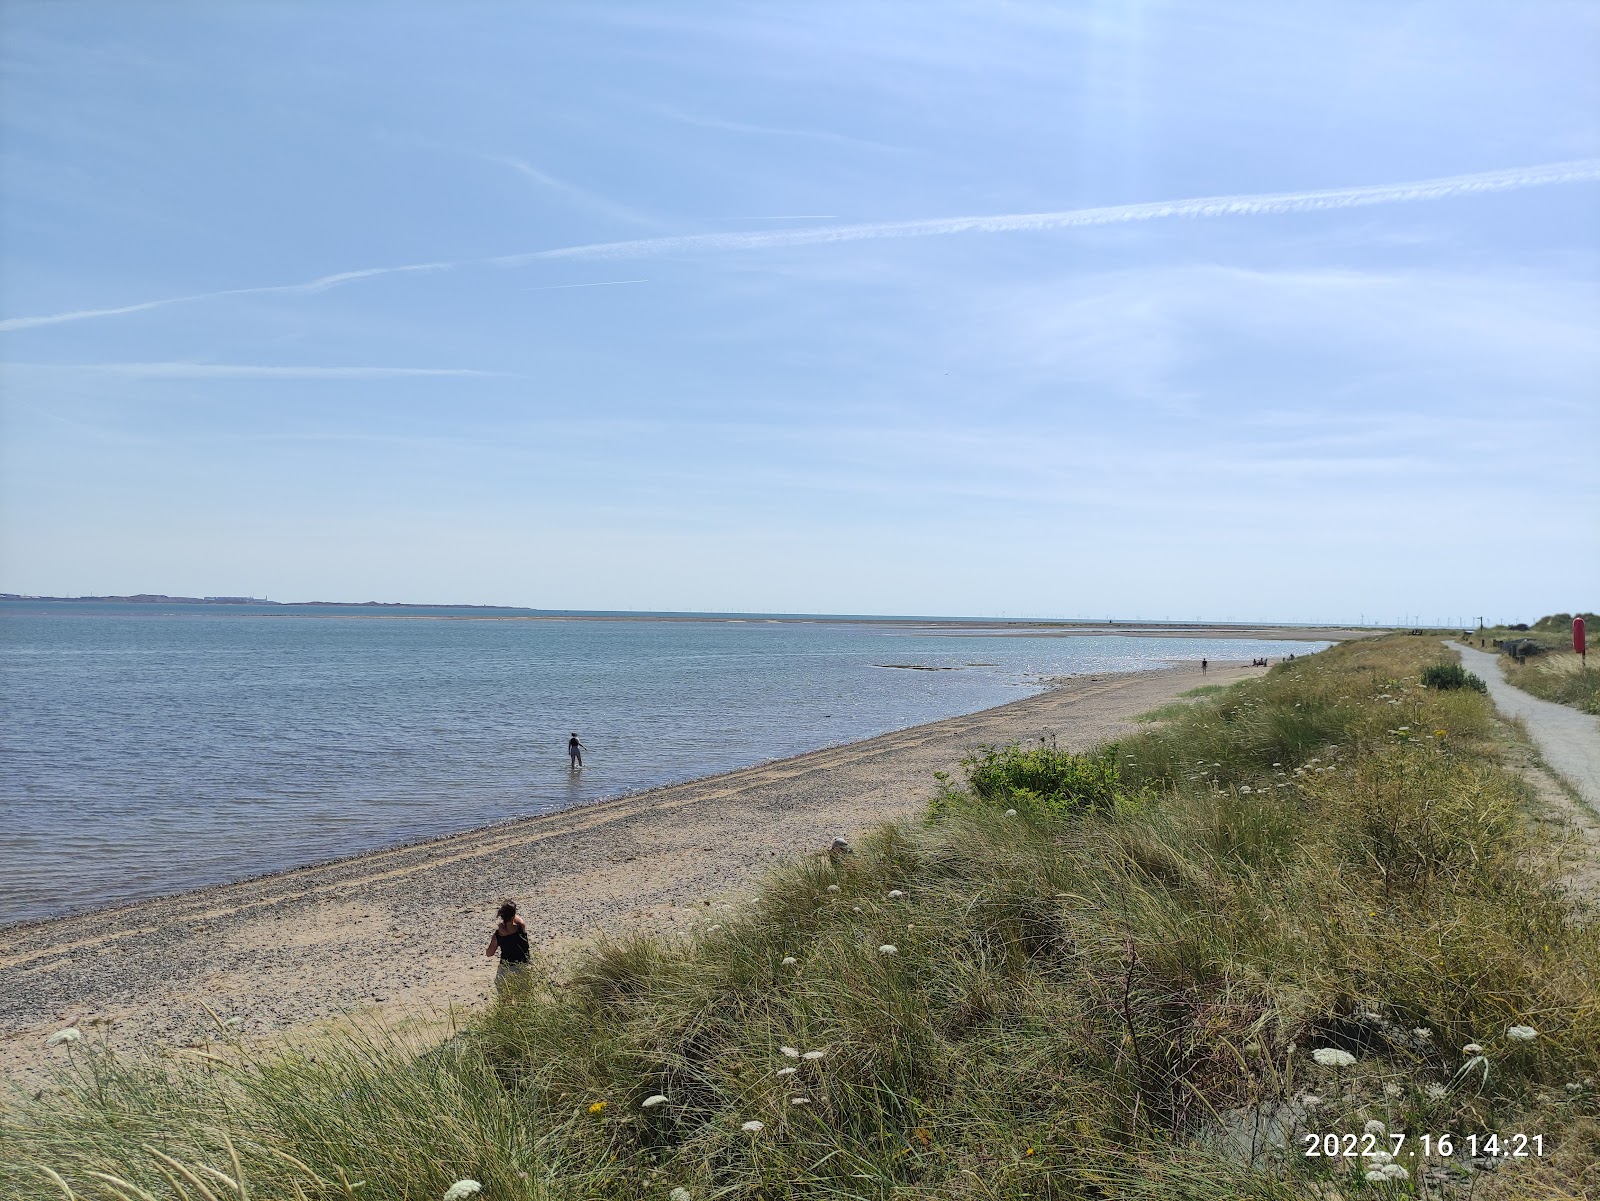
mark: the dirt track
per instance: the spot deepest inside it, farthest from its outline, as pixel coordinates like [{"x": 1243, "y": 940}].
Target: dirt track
[
  {"x": 404, "y": 929},
  {"x": 1568, "y": 738}
]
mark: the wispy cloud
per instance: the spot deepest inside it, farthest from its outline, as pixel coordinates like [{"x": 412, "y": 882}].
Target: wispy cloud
[
  {"x": 603, "y": 283},
  {"x": 582, "y": 196},
  {"x": 181, "y": 370},
  {"x": 776, "y": 131},
  {"x": 1251, "y": 205}
]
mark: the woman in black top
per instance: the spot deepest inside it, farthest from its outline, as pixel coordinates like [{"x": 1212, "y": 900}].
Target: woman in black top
[{"x": 510, "y": 938}]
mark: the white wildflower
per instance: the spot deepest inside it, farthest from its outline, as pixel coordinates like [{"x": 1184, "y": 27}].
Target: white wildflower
[
  {"x": 895, "y": 894},
  {"x": 1011, "y": 812},
  {"x": 813, "y": 1055},
  {"x": 789, "y": 961},
  {"x": 1375, "y": 1176},
  {"x": 680, "y": 1194},
  {"x": 1422, "y": 1032},
  {"x": 1244, "y": 788},
  {"x": 1332, "y": 1057},
  {"x": 1378, "y": 1158},
  {"x": 1522, "y": 1034},
  {"x": 855, "y": 908},
  {"x": 753, "y": 1127},
  {"x": 787, "y": 1071},
  {"x": 652, "y": 1102},
  {"x": 1395, "y": 1172},
  {"x": 1310, "y": 1100},
  {"x": 1436, "y": 1091},
  {"x": 791, "y": 1052},
  {"x": 1472, "y": 1049},
  {"x": 70, "y": 1035},
  {"x": 888, "y": 948},
  {"x": 1376, "y": 1128},
  {"x": 462, "y": 1188},
  {"x": 799, "y": 1100},
  {"x": 1392, "y": 1090}
]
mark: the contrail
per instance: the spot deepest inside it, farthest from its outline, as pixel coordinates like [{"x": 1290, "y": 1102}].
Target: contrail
[
  {"x": 1260, "y": 204},
  {"x": 321, "y": 283},
  {"x": 1574, "y": 171}
]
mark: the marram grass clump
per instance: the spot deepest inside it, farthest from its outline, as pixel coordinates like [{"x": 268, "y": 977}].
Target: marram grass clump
[{"x": 1309, "y": 905}]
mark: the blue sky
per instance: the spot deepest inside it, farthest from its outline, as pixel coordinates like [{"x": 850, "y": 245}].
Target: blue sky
[{"x": 1378, "y": 403}]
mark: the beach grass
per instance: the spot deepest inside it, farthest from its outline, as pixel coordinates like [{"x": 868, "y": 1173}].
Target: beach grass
[
  {"x": 1557, "y": 672},
  {"x": 1152, "y": 971},
  {"x": 1561, "y": 676}
]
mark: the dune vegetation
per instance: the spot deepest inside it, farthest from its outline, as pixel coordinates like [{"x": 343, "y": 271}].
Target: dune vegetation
[
  {"x": 1554, "y": 671},
  {"x": 1310, "y": 905}
]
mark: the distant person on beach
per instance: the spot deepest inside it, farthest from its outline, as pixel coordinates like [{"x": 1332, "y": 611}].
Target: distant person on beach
[
  {"x": 575, "y": 751},
  {"x": 510, "y": 938},
  {"x": 1203, "y": 667}
]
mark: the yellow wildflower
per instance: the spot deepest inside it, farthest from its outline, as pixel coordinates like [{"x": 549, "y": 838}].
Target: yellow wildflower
[{"x": 598, "y": 1107}]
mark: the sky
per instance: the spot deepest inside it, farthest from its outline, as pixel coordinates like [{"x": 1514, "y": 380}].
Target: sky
[{"x": 1248, "y": 311}]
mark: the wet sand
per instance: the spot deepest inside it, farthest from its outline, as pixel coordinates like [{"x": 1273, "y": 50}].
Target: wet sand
[{"x": 403, "y": 930}]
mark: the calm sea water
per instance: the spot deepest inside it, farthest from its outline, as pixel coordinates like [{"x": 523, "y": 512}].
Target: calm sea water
[{"x": 150, "y": 749}]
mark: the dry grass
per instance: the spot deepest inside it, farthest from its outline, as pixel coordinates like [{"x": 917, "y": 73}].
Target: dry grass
[{"x": 1118, "y": 999}]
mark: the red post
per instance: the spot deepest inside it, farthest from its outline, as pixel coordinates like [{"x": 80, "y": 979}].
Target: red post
[{"x": 1577, "y": 640}]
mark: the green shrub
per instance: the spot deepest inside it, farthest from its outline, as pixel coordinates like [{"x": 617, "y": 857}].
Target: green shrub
[
  {"x": 1043, "y": 780},
  {"x": 1451, "y": 675}
]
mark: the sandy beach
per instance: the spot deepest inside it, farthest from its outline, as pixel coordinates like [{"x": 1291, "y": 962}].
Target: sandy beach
[{"x": 402, "y": 931}]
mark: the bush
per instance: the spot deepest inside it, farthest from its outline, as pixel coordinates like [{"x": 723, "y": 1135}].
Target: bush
[
  {"x": 1451, "y": 675},
  {"x": 1556, "y": 623},
  {"x": 1042, "y": 780}
]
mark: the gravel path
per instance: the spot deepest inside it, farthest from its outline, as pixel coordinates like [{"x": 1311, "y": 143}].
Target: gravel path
[
  {"x": 403, "y": 930},
  {"x": 1568, "y": 739}
]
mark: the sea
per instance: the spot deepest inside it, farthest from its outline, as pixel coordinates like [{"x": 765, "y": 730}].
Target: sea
[{"x": 149, "y": 749}]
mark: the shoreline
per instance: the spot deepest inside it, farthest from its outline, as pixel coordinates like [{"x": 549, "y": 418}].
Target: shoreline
[
  {"x": 10, "y": 930},
  {"x": 401, "y": 928}
]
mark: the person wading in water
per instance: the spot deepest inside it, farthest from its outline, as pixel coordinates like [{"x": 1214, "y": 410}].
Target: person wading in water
[
  {"x": 510, "y": 938},
  {"x": 575, "y": 750}
]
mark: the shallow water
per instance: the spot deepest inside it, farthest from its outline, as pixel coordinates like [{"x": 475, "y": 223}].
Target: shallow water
[{"x": 150, "y": 749}]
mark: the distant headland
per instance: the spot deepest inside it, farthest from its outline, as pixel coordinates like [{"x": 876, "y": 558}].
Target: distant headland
[{"x": 160, "y": 598}]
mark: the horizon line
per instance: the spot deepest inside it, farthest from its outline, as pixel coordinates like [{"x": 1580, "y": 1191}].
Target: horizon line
[{"x": 725, "y": 613}]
